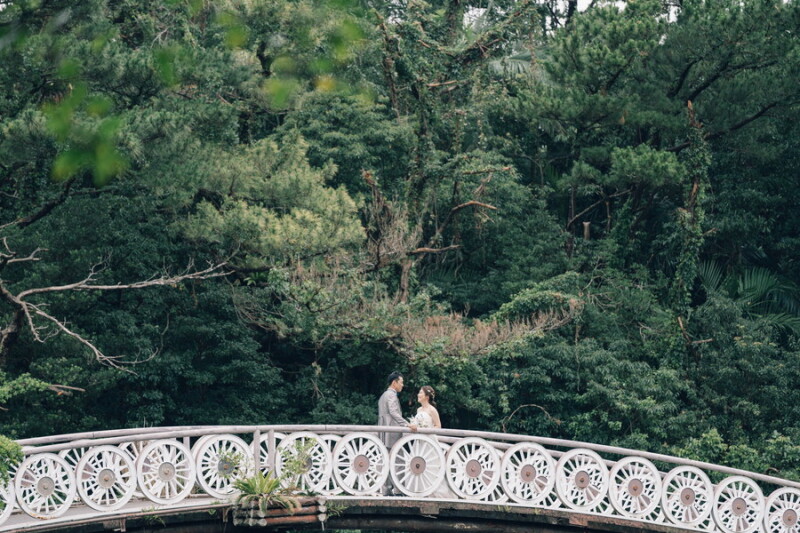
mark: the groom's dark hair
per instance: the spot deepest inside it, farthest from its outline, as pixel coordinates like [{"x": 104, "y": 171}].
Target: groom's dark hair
[{"x": 393, "y": 376}]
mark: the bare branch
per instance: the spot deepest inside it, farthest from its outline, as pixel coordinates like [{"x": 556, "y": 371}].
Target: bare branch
[
  {"x": 33, "y": 314},
  {"x": 472, "y": 203},
  {"x": 115, "y": 361},
  {"x": 30, "y": 257},
  {"x": 600, "y": 201},
  {"x": 11, "y": 257},
  {"x": 99, "y": 356},
  {"x": 426, "y": 250},
  {"x": 456, "y": 209},
  {"x": 549, "y": 417},
  {"x": 63, "y": 389},
  {"x": 212, "y": 271},
  {"x": 442, "y": 84}
]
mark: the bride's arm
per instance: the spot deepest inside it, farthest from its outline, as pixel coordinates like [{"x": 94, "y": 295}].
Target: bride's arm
[{"x": 435, "y": 416}]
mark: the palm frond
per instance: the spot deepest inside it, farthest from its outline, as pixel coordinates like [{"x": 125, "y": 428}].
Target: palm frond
[
  {"x": 511, "y": 66},
  {"x": 756, "y": 285},
  {"x": 788, "y": 301},
  {"x": 784, "y": 321},
  {"x": 711, "y": 275}
]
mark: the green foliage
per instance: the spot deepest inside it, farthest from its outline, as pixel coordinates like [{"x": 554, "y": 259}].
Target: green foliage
[
  {"x": 778, "y": 456},
  {"x": 18, "y": 386},
  {"x": 558, "y": 294},
  {"x": 355, "y": 134},
  {"x": 269, "y": 205},
  {"x": 10, "y": 456}
]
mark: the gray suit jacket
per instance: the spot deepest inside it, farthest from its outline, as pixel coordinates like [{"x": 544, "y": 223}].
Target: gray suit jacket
[{"x": 389, "y": 414}]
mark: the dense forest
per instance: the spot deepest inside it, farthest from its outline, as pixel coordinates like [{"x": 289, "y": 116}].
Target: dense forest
[{"x": 574, "y": 221}]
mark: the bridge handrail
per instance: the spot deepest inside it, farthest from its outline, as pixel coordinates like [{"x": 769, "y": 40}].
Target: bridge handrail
[
  {"x": 96, "y": 438},
  {"x": 171, "y": 466},
  {"x": 68, "y": 437}
]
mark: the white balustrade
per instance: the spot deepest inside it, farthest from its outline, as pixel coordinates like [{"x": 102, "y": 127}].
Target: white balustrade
[{"x": 108, "y": 471}]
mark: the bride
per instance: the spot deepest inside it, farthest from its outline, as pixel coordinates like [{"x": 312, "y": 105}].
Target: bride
[{"x": 428, "y": 417}]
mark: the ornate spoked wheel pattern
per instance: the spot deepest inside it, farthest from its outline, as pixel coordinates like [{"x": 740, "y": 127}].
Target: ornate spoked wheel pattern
[
  {"x": 527, "y": 473},
  {"x": 417, "y": 465},
  {"x": 307, "y": 453},
  {"x": 687, "y": 496},
  {"x": 133, "y": 448},
  {"x": 473, "y": 468},
  {"x": 73, "y": 455},
  {"x": 782, "y": 512},
  {"x": 360, "y": 464},
  {"x": 333, "y": 486},
  {"x": 7, "y": 500},
  {"x": 498, "y": 495},
  {"x": 165, "y": 471},
  {"x": 221, "y": 460},
  {"x": 195, "y": 448},
  {"x": 106, "y": 478},
  {"x": 635, "y": 487},
  {"x": 738, "y": 505},
  {"x": 263, "y": 456},
  {"x": 45, "y": 485},
  {"x": 581, "y": 479}
]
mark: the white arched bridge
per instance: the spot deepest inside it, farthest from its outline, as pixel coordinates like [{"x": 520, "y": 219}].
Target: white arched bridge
[{"x": 112, "y": 478}]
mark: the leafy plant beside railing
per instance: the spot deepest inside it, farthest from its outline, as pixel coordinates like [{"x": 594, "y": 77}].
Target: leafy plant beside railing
[
  {"x": 268, "y": 490},
  {"x": 265, "y": 491}
]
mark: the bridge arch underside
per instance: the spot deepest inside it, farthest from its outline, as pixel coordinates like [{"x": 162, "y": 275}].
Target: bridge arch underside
[
  {"x": 391, "y": 514},
  {"x": 434, "y": 517}
]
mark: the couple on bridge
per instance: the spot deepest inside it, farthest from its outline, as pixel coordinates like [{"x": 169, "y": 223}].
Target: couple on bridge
[{"x": 390, "y": 414}]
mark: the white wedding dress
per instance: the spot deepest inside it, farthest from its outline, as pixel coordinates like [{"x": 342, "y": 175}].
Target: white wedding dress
[{"x": 423, "y": 420}]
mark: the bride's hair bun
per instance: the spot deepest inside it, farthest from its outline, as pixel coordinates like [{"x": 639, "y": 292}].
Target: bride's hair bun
[{"x": 430, "y": 393}]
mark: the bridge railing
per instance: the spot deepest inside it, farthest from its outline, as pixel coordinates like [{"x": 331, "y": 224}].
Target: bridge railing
[{"x": 107, "y": 470}]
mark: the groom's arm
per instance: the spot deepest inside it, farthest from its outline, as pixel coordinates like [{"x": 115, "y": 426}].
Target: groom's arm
[
  {"x": 397, "y": 414},
  {"x": 394, "y": 410}
]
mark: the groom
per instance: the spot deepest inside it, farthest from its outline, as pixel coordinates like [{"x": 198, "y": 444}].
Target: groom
[{"x": 389, "y": 414}]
